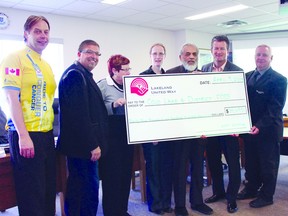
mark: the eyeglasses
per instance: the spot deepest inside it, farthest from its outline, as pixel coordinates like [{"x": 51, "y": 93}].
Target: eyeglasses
[
  {"x": 91, "y": 52},
  {"x": 158, "y": 54},
  {"x": 126, "y": 69}
]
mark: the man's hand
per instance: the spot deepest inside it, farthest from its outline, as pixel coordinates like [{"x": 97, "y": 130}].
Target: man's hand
[
  {"x": 155, "y": 142},
  {"x": 254, "y": 130},
  {"x": 235, "y": 135},
  {"x": 203, "y": 137},
  {"x": 26, "y": 146},
  {"x": 96, "y": 154}
]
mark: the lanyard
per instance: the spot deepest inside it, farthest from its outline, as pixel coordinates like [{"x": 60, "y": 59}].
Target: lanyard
[
  {"x": 39, "y": 104},
  {"x": 36, "y": 67}
]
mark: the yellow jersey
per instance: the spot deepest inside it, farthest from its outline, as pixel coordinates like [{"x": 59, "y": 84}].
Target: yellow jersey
[{"x": 32, "y": 76}]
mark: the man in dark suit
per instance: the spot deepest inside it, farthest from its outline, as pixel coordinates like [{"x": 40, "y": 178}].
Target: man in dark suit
[
  {"x": 267, "y": 95},
  {"x": 83, "y": 126},
  {"x": 188, "y": 149},
  {"x": 223, "y": 144}
]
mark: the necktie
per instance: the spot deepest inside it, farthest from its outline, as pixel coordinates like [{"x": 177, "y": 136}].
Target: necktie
[{"x": 254, "y": 78}]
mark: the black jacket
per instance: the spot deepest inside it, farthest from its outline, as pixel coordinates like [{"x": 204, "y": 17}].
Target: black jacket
[
  {"x": 228, "y": 67},
  {"x": 179, "y": 69},
  {"x": 266, "y": 99},
  {"x": 83, "y": 115}
]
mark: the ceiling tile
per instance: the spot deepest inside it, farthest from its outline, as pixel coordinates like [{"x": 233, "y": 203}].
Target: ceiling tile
[
  {"x": 171, "y": 9},
  {"x": 142, "y": 18},
  {"x": 163, "y": 14},
  {"x": 33, "y": 8},
  {"x": 118, "y": 12},
  {"x": 142, "y": 5},
  {"x": 85, "y": 7},
  {"x": 47, "y": 4}
]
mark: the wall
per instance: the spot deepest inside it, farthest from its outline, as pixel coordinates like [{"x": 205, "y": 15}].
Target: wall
[
  {"x": 244, "y": 52},
  {"x": 132, "y": 41},
  {"x": 202, "y": 40}
]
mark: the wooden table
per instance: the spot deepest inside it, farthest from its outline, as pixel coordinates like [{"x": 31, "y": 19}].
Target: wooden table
[
  {"x": 285, "y": 133},
  {"x": 284, "y": 143},
  {"x": 7, "y": 190}
]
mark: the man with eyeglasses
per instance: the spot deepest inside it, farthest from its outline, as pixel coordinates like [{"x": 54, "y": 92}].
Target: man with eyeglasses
[
  {"x": 83, "y": 126},
  {"x": 192, "y": 150}
]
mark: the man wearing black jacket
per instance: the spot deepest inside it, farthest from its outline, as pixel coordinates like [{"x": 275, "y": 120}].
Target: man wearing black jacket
[
  {"x": 83, "y": 126},
  {"x": 267, "y": 96}
]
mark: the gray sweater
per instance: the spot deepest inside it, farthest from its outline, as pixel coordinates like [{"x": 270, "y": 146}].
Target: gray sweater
[{"x": 110, "y": 93}]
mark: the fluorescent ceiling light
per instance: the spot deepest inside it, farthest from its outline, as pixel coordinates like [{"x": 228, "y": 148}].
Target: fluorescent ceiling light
[
  {"x": 218, "y": 12},
  {"x": 112, "y": 2}
]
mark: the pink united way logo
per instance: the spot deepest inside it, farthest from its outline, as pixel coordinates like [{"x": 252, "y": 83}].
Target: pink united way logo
[{"x": 139, "y": 86}]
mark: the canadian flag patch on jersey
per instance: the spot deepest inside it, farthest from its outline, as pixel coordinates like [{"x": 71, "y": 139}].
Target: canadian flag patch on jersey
[{"x": 12, "y": 71}]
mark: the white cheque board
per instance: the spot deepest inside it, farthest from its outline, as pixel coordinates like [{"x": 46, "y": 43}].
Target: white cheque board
[{"x": 184, "y": 106}]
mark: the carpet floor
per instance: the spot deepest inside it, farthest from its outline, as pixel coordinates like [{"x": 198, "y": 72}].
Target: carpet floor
[{"x": 138, "y": 208}]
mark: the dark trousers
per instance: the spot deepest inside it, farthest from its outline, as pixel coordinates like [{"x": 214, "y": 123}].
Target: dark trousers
[
  {"x": 188, "y": 151},
  {"x": 35, "y": 178},
  {"x": 262, "y": 158},
  {"x": 82, "y": 187},
  {"x": 115, "y": 173},
  {"x": 229, "y": 145},
  {"x": 159, "y": 169}
]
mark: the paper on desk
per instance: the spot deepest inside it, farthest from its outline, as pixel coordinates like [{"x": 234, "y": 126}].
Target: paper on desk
[{"x": 2, "y": 153}]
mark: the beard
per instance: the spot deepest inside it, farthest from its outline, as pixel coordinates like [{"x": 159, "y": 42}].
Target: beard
[{"x": 189, "y": 67}]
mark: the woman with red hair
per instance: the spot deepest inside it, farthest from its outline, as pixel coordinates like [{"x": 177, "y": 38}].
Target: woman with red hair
[{"x": 116, "y": 165}]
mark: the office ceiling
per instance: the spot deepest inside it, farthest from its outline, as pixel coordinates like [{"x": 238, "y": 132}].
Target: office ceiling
[{"x": 261, "y": 16}]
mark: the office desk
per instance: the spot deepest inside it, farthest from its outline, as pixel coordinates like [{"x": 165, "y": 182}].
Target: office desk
[
  {"x": 285, "y": 133},
  {"x": 284, "y": 143},
  {"x": 7, "y": 190}
]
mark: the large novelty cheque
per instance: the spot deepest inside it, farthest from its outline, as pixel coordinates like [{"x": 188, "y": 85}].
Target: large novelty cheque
[{"x": 184, "y": 106}]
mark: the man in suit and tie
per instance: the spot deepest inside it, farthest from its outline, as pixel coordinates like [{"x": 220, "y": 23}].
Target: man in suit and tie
[
  {"x": 267, "y": 95},
  {"x": 228, "y": 145},
  {"x": 185, "y": 150}
]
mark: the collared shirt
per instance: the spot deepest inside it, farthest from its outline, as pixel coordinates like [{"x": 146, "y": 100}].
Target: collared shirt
[
  {"x": 261, "y": 72},
  {"x": 218, "y": 69}
]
